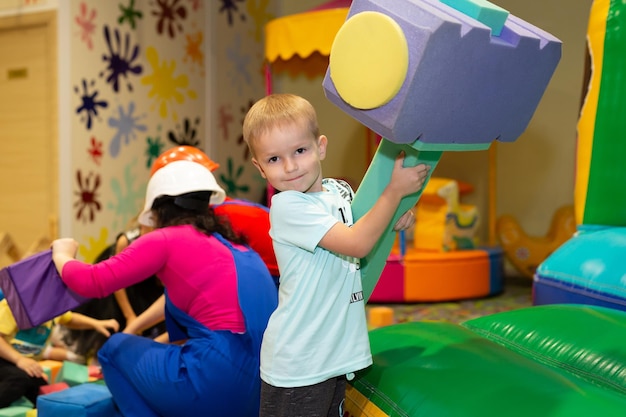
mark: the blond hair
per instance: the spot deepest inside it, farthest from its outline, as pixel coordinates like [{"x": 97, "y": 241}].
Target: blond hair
[{"x": 276, "y": 110}]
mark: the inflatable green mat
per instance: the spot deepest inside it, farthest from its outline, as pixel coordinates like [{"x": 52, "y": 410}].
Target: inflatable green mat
[{"x": 556, "y": 360}]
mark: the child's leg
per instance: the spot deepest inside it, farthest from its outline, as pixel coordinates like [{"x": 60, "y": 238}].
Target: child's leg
[
  {"x": 15, "y": 383},
  {"x": 323, "y": 399}
]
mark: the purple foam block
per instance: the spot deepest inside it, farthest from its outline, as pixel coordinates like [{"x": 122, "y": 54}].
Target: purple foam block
[
  {"x": 464, "y": 88},
  {"x": 35, "y": 292}
]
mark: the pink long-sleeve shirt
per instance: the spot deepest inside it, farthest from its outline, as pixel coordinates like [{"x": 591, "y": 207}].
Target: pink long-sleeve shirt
[{"x": 198, "y": 272}]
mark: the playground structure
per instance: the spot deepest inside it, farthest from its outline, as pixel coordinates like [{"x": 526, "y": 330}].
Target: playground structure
[
  {"x": 443, "y": 261},
  {"x": 589, "y": 267},
  {"x": 526, "y": 252}
]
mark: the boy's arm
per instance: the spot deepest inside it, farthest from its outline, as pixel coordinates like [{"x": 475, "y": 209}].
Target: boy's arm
[
  {"x": 358, "y": 240},
  {"x": 81, "y": 322},
  {"x": 28, "y": 365}
]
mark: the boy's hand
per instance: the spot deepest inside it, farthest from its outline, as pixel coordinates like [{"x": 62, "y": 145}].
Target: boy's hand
[
  {"x": 407, "y": 180},
  {"x": 103, "y": 326},
  {"x": 30, "y": 366},
  {"x": 406, "y": 221}
]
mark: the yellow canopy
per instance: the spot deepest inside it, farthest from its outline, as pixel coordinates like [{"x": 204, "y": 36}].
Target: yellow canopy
[{"x": 304, "y": 39}]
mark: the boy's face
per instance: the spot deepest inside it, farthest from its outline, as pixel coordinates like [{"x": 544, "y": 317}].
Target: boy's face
[{"x": 289, "y": 158}]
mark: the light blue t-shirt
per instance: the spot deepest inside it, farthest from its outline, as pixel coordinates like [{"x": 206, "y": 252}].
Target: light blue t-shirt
[{"x": 319, "y": 330}]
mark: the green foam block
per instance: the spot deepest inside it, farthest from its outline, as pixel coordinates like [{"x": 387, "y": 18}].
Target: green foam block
[
  {"x": 14, "y": 411},
  {"x": 73, "y": 374}
]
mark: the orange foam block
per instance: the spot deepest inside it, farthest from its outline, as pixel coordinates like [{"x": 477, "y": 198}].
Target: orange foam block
[
  {"x": 380, "y": 316},
  {"x": 51, "y": 368}
]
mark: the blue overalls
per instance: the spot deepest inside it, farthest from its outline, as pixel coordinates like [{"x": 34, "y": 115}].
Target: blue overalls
[{"x": 214, "y": 373}]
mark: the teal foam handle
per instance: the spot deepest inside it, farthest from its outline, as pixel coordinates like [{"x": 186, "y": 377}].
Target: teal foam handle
[
  {"x": 374, "y": 182},
  {"x": 484, "y": 11}
]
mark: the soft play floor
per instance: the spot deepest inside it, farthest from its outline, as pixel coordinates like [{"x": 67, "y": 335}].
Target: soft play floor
[{"x": 517, "y": 294}]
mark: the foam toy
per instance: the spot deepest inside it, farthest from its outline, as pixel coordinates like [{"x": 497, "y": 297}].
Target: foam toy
[
  {"x": 73, "y": 373},
  {"x": 431, "y": 76},
  {"x": 23, "y": 402},
  {"x": 51, "y": 369},
  {"x": 425, "y": 70},
  {"x": 85, "y": 400},
  {"x": 50, "y": 388},
  {"x": 526, "y": 252},
  {"x": 95, "y": 373},
  {"x": 588, "y": 268},
  {"x": 379, "y": 316},
  {"x": 14, "y": 411},
  {"x": 558, "y": 361},
  {"x": 29, "y": 287}
]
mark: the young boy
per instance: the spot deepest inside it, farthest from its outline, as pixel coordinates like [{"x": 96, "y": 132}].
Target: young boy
[
  {"x": 318, "y": 334},
  {"x": 20, "y": 372}
]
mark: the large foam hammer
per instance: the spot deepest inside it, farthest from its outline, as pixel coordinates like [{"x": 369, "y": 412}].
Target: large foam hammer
[{"x": 432, "y": 76}]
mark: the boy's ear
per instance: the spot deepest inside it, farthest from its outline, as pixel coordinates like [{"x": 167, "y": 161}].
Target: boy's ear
[
  {"x": 258, "y": 166},
  {"x": 322, "y": 141}
]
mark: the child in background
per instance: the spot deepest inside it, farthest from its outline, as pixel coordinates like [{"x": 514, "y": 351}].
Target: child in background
[
  {"x": 20, "y": 350},
  {"x": 318, "y": 334}
]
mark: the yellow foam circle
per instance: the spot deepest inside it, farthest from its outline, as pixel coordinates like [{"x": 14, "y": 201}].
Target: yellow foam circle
[{"x": 369, "y": 60}]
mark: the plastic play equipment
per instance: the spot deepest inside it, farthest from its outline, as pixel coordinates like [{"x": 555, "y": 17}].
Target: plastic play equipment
[
  {"x": 557, "y": 361},
  {"x": 589, "y": 268},
  {"x": 443, "y": 260},
  {"x": 429, "y": 276},
  {"x": 526, "y": 252},
  {"x": 443, "y": 223}
]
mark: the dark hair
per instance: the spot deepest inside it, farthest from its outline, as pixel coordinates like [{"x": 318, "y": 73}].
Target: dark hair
[{"x": 185, "y": 209}]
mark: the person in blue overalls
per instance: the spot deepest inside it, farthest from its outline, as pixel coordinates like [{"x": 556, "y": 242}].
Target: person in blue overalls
[{"x": 218, "y": 298}]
